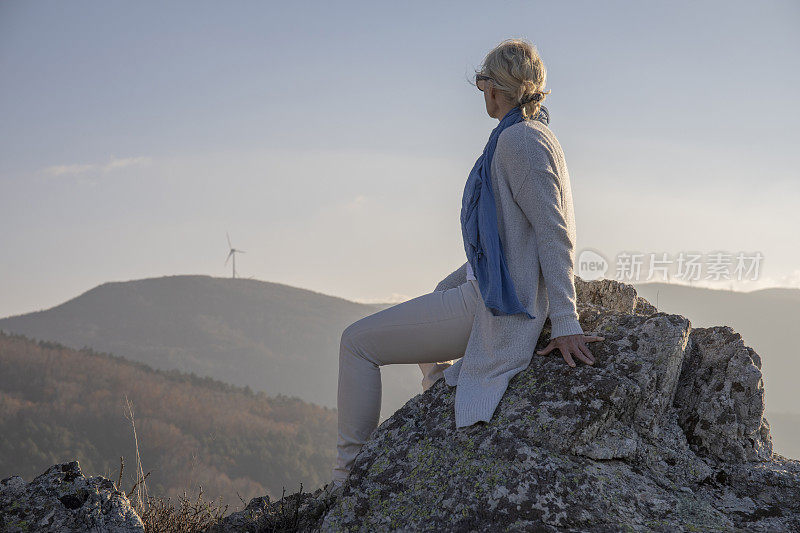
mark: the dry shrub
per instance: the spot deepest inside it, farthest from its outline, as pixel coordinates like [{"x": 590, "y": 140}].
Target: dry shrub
[{"x": 190, "y": 515}]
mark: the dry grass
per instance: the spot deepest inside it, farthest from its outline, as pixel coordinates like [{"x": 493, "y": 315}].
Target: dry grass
[
  {"x": 160, "y": 515},
  {"x": 190, "y": 515}
]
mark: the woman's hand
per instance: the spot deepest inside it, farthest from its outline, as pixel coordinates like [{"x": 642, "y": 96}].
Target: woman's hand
[{"x": 570, "y": 345}]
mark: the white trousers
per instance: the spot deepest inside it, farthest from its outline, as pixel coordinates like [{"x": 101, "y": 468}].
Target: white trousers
[{"x": 432, "y": 329}]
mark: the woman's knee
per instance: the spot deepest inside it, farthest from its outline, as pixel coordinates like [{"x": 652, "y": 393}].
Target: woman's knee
[
  {"x": 351, "y": 332},
  {"x": 347, "y": 337},
  {"x": 349, "y": 343}
]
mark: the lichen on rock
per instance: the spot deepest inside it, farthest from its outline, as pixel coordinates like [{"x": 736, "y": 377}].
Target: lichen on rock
[
  {"x": 664, "y": 433},
  {"x": 62, "y": 500}
]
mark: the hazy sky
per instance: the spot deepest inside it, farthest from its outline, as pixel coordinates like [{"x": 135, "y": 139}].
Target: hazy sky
[{"x": 333, "y": 139}]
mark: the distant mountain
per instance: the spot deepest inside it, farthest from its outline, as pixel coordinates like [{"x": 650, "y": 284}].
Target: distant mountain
[
  {"x": 767, "y": 319},
  {"x": 285, "y": 340},
  {"x": 269, "y": 336},
  {"x": 58, "y": 404}
]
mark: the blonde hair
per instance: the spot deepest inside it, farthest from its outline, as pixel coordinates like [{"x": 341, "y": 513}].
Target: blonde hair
[{"x": 517, "y": 71}]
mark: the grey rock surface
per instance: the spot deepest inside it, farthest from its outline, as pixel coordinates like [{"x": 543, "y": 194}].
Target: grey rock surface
[
  {"x": 301, "y": 511},
  {"x": 62, "y": 500},
  {"x": 720, "y": 401},
  {"x": 666, "y": 432}
]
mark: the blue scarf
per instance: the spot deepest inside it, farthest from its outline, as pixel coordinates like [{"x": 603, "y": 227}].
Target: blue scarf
[{"x": 479, "y": 227}]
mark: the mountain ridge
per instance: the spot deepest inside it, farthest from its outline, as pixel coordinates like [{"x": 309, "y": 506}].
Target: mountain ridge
[{"x": 266, "y": 335}]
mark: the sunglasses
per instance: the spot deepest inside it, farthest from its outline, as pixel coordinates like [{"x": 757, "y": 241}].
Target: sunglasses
[{"x": 479, "y": 78}]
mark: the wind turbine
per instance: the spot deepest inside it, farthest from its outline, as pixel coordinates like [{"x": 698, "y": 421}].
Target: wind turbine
[{"x": 232, "y": 253}]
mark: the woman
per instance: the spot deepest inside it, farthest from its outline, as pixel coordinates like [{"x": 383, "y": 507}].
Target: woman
[{"x": 519, "y": 236}]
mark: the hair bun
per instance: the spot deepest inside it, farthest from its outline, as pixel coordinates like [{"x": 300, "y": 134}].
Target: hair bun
[{"x": 531, "y": 98}]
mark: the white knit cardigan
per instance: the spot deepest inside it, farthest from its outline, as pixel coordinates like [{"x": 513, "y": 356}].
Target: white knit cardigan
[{"x": 535, "y": 218}]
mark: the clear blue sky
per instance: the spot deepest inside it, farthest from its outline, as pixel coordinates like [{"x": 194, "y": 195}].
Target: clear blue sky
[{"x": 333, "y": 139}]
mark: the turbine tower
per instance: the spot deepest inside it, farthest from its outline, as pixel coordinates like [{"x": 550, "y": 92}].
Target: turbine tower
[{"x": 232, "y": 253}]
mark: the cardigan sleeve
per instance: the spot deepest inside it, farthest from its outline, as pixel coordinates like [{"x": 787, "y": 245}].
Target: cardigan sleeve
[
  {"x": 539, "y": 197},
  {"x": 454, "y": 279}
]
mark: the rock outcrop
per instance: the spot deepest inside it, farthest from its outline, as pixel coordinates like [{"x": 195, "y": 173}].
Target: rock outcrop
[
  {"x": 664, "y": 433},
  {"x": 62, "y": 500}
]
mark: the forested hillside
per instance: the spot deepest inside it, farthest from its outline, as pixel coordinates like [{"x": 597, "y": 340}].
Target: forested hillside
[
  {"x": 59, "y": 404},
  {"x": 269, "y": 336}
]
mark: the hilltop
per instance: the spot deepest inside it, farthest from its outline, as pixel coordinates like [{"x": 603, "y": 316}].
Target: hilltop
[{"x": 267, "y": 336}]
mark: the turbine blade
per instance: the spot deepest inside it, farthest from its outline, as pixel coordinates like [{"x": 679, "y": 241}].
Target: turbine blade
[{"x": 229, "y": 240}]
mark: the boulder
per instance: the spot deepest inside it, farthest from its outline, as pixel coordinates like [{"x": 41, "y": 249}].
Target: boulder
[
  {"x": 62, "y": 500},
  {"x": 720, "y": 401},
  {"x": 666, "y": 432},
  {"x": 301, "y": 511}
]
